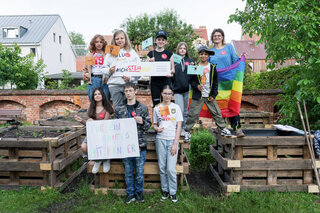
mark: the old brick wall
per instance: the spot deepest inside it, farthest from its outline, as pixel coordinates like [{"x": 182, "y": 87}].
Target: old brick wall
[{"x": 43, "y": 104}]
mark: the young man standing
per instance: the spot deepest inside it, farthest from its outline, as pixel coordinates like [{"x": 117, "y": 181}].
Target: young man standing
[{"x": 131, "y": 108}]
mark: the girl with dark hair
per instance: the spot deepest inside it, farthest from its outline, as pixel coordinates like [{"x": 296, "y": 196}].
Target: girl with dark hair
[
  {"x": 167, "y": 119},
  {"x": 99, "y": 109},
  {"x": 180, "y": 81},
  {"x": 225, "y": 56},
  {"x": 93, "y": 73}
]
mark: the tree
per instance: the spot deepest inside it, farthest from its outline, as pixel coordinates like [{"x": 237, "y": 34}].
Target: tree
[
  {"x": 145, "y": 26},
  {"x": 78, "y": 43},
  {"x": 289, "y": 29},
  {"x": 20, "y": 71}
]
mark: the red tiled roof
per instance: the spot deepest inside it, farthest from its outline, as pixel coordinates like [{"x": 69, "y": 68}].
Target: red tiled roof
[
  {"x": 80, "y": 63},
  {"x": 253, "y": 51},
  {"x": 202, "y": 32}
]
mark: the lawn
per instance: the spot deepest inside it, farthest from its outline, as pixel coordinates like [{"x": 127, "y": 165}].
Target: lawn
[{"x": 83, "y": 200}]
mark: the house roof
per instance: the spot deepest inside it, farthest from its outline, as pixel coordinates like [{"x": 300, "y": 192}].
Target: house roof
[
  {"x": 37, "y": 27},
  {"x": 254, "y": 52},
  {"x": 74, "y": 75},
  {"x": 80, "y": 63},
  {"x": 202, "y": 32}
]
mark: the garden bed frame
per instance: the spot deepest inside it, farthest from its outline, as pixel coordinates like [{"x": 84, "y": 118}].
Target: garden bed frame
[
  {"x": 263, "y": 163},
  {"x": 42, "y": 162},
  {"x": 114, "y": 180}
]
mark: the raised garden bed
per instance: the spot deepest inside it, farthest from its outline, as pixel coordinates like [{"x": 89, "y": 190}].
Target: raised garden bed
[
  {"x": 263, "y": 160},
  {"x": 39, "y": 156}
]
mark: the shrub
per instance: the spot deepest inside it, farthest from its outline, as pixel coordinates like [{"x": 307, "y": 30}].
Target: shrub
[{"x": 199, "y": 156}]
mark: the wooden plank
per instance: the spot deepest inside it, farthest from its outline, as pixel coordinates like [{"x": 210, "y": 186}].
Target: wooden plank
[
  {"x": 217, "y": 177},
  {"x": 290, "y": 151},
  {"x": 23, "y": 143},
  {"x": 313, "y": 189},
  {"x": 30, "y": 153},
  {"x": 272, "y": 178},
  {"x": 120, "y": 192},
  {"x": 290, "y": 182},
  {"x": 72, "y": 177},
  {"x": 284, "y": 164},
  {"x": 233, "y": 188},
  {"x": 277, "y": 188},
  {"x": 60, "y": 164},
  {"x": 45, "y": 166},
  {"x": 215, "y": 154},
  {"x": 68, "y": 136},
  {"x": 19, "y": 166},
  {"x": 254, "y": 151}
]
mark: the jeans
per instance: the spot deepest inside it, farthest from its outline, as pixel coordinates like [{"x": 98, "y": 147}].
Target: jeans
[
  {"x": 182, "y": 99},
  {"x": 117, "y": 95},
  {"x": 167, "y": 165},
  {"x": 95, "y": 83},
  {"x": 134, "y": 186}
]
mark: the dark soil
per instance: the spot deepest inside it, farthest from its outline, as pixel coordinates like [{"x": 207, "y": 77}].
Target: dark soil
[
  {"x": 70, "y": 117},
  {"x": 204, "y": 183},
  {"x": 17, "y": 132}
]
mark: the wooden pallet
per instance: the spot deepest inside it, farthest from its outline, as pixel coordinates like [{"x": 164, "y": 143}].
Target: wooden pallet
[
  {"x": 256, "y": 119},
  {"x": 41, "y": 161},
  {"x": 263, "y": 163}
]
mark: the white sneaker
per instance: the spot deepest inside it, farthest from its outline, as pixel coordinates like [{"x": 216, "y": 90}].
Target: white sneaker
[
  {"x": 183, "y": 133},
  {"x": 96, "y": 167},
  {"x": 225, "y": 132},
  {"x": 187, "y": 137},
  {"x": 106, "y": 166}
]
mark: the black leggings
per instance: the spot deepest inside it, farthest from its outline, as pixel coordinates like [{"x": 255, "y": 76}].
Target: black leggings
[
  {"x": 235, "y": 122},
  {"x": 156, "y": 91}
]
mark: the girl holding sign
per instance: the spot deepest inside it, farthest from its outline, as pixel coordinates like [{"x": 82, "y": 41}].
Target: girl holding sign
[
  {"x": 92, "y": 70},
  {"x": 160, "y": 54},
  {"x": 181, "y": 81},
  {"x": 99, "y": 109},
  {"x": 126, "y": 54},
  {"x": 167, "y": 119}
]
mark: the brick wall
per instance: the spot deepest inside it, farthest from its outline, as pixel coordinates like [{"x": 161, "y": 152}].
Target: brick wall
[{"x": 43, "y": 104}]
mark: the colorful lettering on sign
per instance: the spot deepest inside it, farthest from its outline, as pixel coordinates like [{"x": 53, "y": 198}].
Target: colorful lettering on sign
[
  {"x": 134, "y": 68},
  {"x": 99, "y": 60}
]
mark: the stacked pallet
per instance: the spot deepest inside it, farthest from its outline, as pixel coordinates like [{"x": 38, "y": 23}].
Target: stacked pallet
[
  {"x": 52, "y": 162},
  {"x": 114, "y": 179},
  {"x": 263, "y": 163}
]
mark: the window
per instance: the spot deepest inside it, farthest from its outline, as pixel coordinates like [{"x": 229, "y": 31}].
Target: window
[
  {"x": 60, "y": 57},
  {"x": 33, "y": 51},
  {"x": 54, "y": 37},
  {"x": 59, "y": 39},
  {"x": 10, "y": 33}
]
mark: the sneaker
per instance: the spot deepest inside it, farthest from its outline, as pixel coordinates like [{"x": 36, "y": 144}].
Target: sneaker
[
  {"x": 96, "y": 167},
  {"x": 187, "y": 137},
  {"x": 165, "y": 195},
  {"x": 239, "y": 133},
  {"x": 173, "y": 198},
  {"x": 225, "y": 132},
  {"x": 183, "y": 133},
  {"x": 129, "y": 199},
  {"x": 106, "y": 166},
  {"x": 139, "y": 197}
]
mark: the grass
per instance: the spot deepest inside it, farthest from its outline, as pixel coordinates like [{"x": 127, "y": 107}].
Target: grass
[{"x": 82, "y": 200}]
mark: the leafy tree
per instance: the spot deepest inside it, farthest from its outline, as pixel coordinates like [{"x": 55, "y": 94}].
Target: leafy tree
[
  {"x": 78, "y": 43},
  {"x": 289, "y": 29},
  {"x": 20, "y": 71},
  {"x": 145, "y": 26},
  {"x": 65, "y": 82}
]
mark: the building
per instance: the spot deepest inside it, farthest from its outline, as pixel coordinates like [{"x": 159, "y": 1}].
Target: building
[{"x": 43, "y": 35}]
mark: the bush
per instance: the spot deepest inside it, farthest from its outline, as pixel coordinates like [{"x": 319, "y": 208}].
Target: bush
[
  {"x": 270, "y": 79},
  {"x": 199, "y": 156}
]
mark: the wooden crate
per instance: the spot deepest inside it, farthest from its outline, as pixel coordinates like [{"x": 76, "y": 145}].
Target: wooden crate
[
  {"x": 256, "y": 119},
  {"x": 41, "y": 161},
  {"x": 114, "y": 179},
  {"x": 262, "y": 163}
]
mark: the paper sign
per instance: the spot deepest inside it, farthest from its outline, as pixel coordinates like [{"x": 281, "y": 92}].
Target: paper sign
[
  {"x": 89, "y": 60},
  {"x": 164, "y": 110},
  {"x": 112, "y": 49},
  {"x": 177, "y": 58},
  {"x": 195, "y": 70},
  {"x": 109, "y": 139},
  {"x": 142, "y": 68},
  {"x": 146, "y": 43}
]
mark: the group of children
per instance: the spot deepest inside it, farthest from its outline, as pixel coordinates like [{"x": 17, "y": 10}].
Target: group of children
[{"x": 170, "y": 120}]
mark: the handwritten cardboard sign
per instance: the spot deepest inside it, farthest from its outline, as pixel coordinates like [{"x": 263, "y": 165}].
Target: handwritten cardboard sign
[
  {"x": 177, "y": 58},
  {"x": 112, "y": 49},
  {"x": 147, "y": 43},
  {"x": 89, "y": 60},
  {"x": 109, "y": 139},
  {"x": 195, "y": 70},
  {"x": 142, "y": 68}
]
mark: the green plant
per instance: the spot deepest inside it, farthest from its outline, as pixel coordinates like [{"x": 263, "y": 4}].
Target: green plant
[{"x": 199, "y": 156}]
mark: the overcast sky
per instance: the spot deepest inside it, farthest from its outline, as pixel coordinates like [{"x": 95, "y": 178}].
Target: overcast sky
[{"x": 102, "y": 17}]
